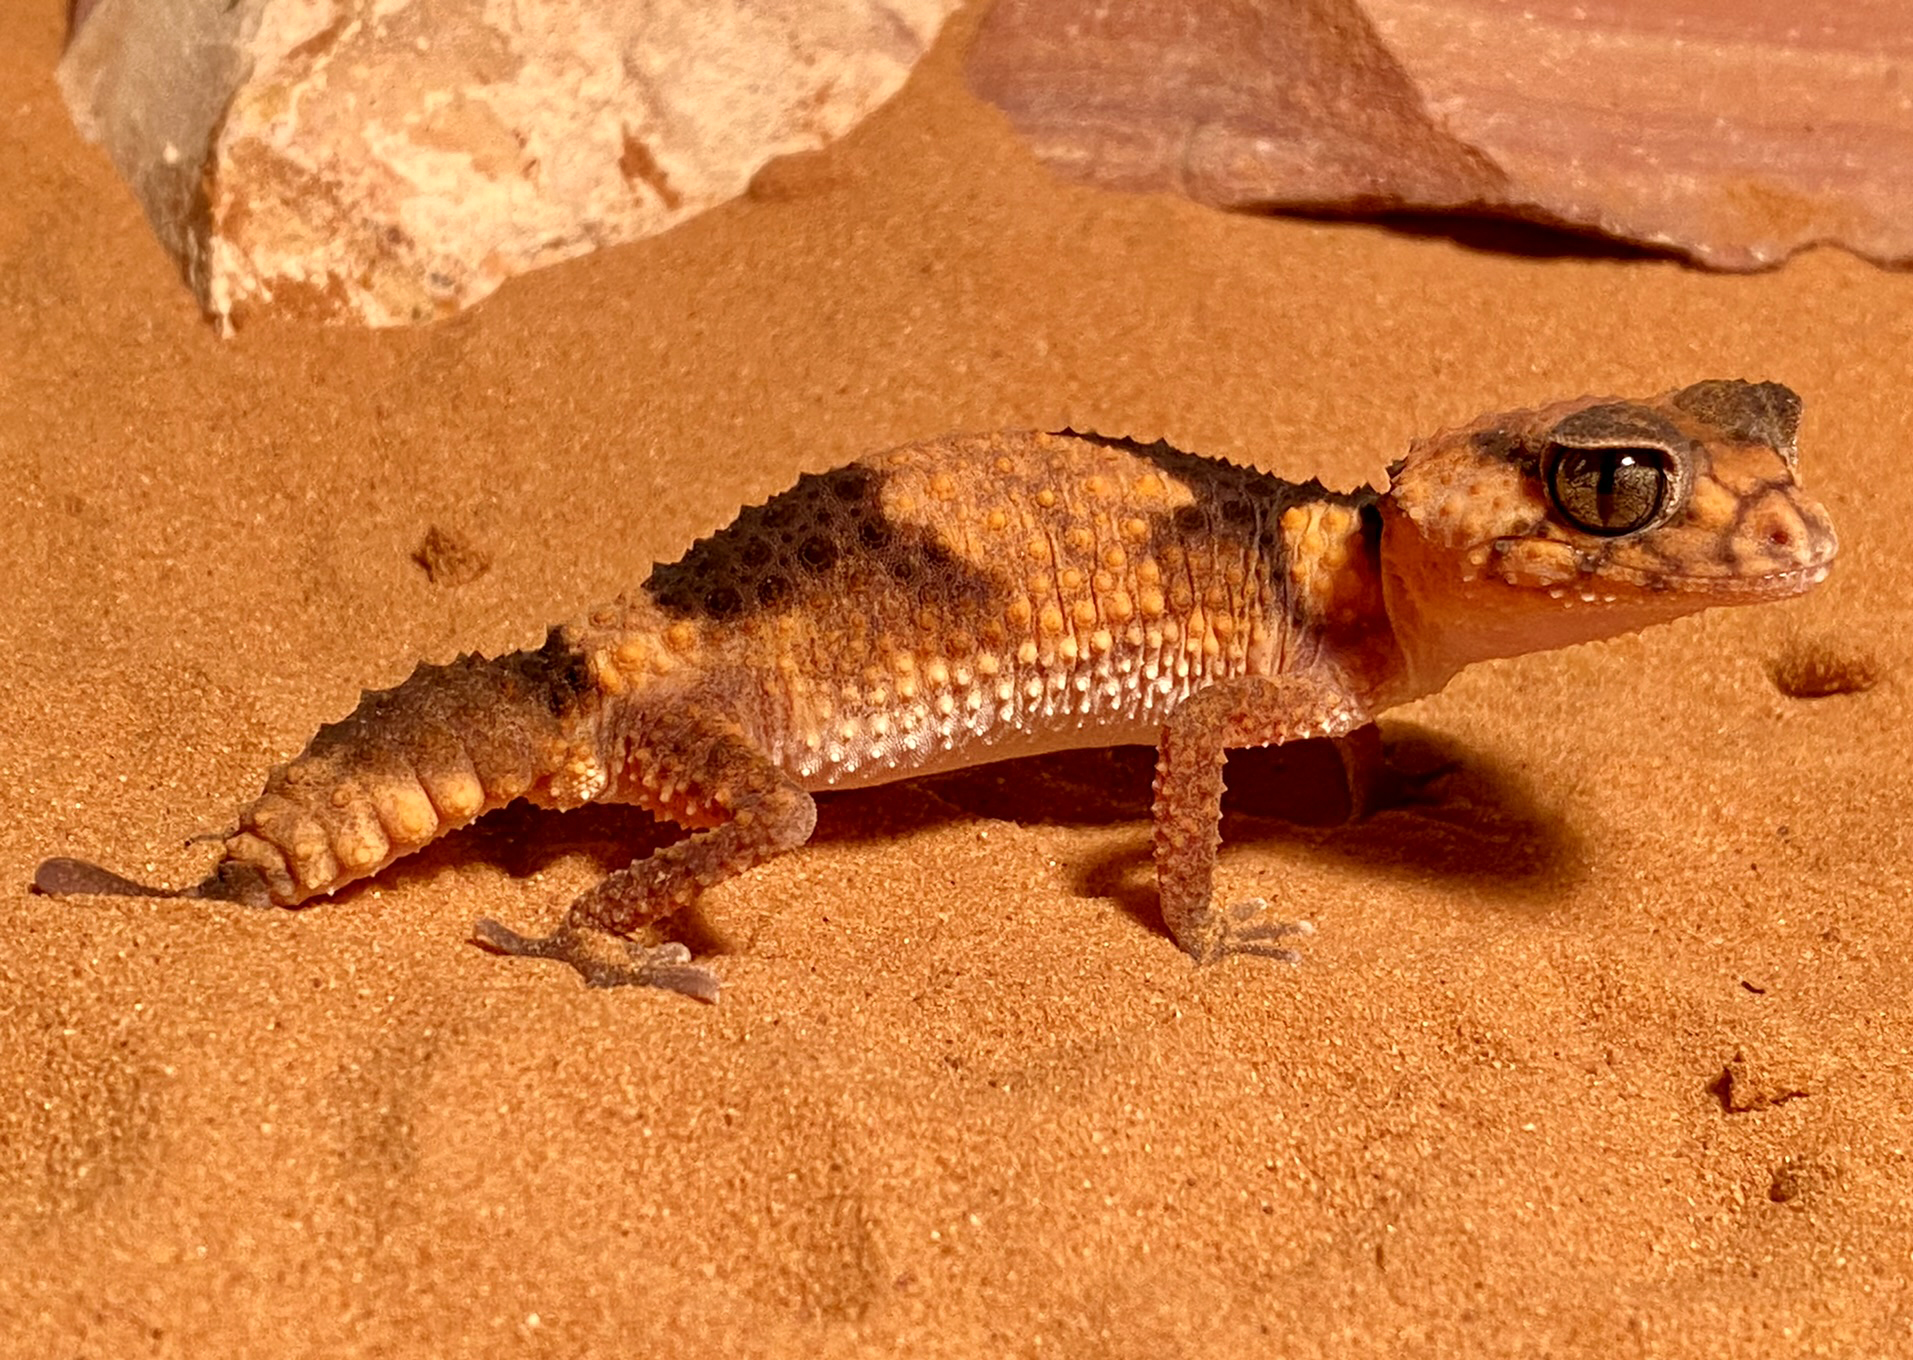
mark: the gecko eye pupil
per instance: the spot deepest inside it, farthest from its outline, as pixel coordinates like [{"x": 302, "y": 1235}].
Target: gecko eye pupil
[{"x": 1608, "y": 491}]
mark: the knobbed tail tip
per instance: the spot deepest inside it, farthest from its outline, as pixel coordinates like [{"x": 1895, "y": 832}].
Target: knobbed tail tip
[
  {"x": 61, "y": 877},
  {"x": 230, "y": 882}
]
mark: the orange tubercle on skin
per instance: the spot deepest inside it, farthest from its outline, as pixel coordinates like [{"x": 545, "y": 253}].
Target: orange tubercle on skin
[
  {"x": 406, "y": 811},
  {"x": 605, "y": 673},
  {"x": 460, "y": 797},
  {"x": 633, "y": 655},
  {"x": 1538, "y": 562},
  {"x": 363, "y": 846},
  {"x": 681, "y": 638}
]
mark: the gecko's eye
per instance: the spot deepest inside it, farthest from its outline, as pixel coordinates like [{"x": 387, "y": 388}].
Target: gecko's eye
[{"x": 1608, "y": 491}]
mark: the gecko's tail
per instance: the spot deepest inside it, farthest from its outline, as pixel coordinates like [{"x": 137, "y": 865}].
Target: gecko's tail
[
  {"x": 411, "y": 763},
  {"x": 407, "y": 765},
  {"x": 231, "y": 882}
]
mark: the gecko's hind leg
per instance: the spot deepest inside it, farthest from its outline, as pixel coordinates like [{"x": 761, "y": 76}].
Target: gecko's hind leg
[{"x": 716, "y": 774}]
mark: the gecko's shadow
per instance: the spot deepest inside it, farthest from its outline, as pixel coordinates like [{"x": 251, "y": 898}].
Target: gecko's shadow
[
  {"x": 1436, "y": 811},
  {"x": 523, "y": 841},
  {"x": 1439, "y": 811}
]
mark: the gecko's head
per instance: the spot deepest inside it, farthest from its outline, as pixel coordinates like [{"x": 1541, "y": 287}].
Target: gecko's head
[{"x": 1594, "y": 518}]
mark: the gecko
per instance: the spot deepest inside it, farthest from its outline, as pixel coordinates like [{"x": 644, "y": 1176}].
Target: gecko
[{"x": 982, "y": 597}]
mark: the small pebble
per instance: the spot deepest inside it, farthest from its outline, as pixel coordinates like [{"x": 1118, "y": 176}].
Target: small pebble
[{"x": 1814, "y": 667}]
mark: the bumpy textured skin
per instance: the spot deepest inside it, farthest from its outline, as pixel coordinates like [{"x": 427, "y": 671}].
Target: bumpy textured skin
[{"x": 977, "y": 598}]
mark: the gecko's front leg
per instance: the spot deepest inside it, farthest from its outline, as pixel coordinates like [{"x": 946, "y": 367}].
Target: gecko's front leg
[{"x": 1196, "y": 739}]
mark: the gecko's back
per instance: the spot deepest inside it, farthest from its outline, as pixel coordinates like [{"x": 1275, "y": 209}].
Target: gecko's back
[{"x": 980, "y": 597}]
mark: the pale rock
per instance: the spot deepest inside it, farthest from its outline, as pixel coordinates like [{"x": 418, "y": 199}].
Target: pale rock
[{"x": 391, "y": 161}]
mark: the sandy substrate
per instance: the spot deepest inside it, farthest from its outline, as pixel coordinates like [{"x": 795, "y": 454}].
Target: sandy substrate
[{"x": 962, "y": 1096}]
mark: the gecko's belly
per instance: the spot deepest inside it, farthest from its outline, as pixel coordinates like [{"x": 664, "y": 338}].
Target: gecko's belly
[{"x": 905, "y": 755}]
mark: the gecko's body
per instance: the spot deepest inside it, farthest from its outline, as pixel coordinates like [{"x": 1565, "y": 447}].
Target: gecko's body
[{"x": 979, "y": 598}]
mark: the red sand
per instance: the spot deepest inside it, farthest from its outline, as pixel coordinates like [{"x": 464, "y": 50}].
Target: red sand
[{"x": 962, "y": 1097}]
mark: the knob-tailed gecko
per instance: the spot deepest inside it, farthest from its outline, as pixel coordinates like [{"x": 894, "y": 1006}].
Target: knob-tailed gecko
[{"x": 975, "y": 598}]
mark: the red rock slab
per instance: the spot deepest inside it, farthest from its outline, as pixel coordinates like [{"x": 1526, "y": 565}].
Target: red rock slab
[{"x": 1731, "y": 132}]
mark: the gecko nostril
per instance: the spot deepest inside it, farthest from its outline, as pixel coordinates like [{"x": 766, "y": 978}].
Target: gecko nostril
[{"x": 1780, "y": 537}]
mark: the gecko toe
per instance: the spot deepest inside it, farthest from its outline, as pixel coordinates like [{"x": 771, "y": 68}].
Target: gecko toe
[
  {"x": 1263, "y": 950},
  {"x": 1248, "y": 909},
  {"x": 668, "y": 966},
  {"x": 496, "y": 938},
  {"x": 663, "y": 954},
  {"x": 1250, "y": 929},
  {"x": 665, "y": 966}
]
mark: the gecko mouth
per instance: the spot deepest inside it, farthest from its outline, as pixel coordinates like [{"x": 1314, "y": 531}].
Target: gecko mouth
[
  {"x": 1789, "y": 582},
  {"x": 1773, "y": 585},
  {"x": 1526, "y": 564},
  {"x": 1611, "y": 585}
]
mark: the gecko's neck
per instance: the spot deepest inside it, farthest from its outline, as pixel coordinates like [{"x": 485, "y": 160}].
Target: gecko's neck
[{"x": 1333, "y": 597}]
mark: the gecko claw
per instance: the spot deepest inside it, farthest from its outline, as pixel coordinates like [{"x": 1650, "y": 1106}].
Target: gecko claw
[{"x": 666, "y": 966}]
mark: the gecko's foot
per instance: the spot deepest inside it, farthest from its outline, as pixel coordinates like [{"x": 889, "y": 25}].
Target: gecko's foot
[
  {"x": 667, "y": 966},
  {"x": 1248, "y": 928}
]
